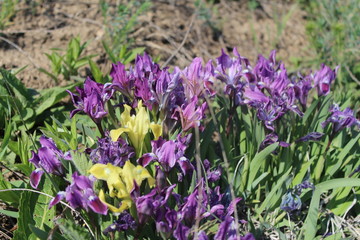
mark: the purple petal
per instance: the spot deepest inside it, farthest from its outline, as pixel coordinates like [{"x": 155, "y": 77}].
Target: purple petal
[
  {"x": 35, "y": 159},
  {"x": 314, "y": 136},
  {"x": 146, "y": 159},
  {"x": 60, "y": 196},
  {"x": 181, "y": 232},
  {"x": 35, "y": 177},
  {"x": 97, "y": 206}
]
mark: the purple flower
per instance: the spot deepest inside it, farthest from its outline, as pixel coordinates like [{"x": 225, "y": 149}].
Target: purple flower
[
  {"x": 190, "y": 114},
  {"x": 190, "y": 207},
  {"x": 80, "y": 193},
  {"x": 197, "y": 80},
  {"x": 290, "y": 202},
  {"x": 124, "y": 222},
  {"x": 323, "y": 79},
  {"x": 168, "y": 153},
  {"x": 304, "y": 185},
  {"x": 47, "y": 158},
  {"x": 301, "y": 89},
  {"x": 212, "y": 176},
  {"x": 121, "y": 81},
  {"x": 35, "y": 177},
  {"x": 271, "y": 139},
  {"x": 340, "y": 119},
  {"x": 230, "y": 71},
  {"x": 202, "y": 236},
  {"x": 248, "y": 236},
  {"x": 265, "y": 69},
  {"x": 181, "y": 232},
  {"x": 313, "y": 136},
  {"x": 108, "y": 151},
  {"x": 91, "y": 99},
  {"x": 227, "y": 230}
]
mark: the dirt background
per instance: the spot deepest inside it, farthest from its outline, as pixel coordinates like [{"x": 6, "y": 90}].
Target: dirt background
[{"x": 168, "y": 28}]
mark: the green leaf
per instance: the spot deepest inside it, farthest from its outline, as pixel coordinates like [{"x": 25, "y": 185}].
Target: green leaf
[
  {"x": 9, "y": 213},
  {"x": 81, "y": 163},
  {"x": 72, "y": 231},
  {"x": 270, "y": 199},
  {"x": 131, "y": 55},
  {"x": 7, "y": 135},
  {"x": 82, "y": 62},
  {"x": 49, "y": 74},
  {"x": 9, "y": 196},
  {"x": 310, "y": 225},
  {"x": 50, "y": 97},
  {"x": 36, "y": 213},
  {"x": 96, "y": 72},
  {"x": 19, "y": 89},
  {"x": 257, "y": 161},
  {"x": 109, "y": 52},
  {"x": 344, "y": 152}
]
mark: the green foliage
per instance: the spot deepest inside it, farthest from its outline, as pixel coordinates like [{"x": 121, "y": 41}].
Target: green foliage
[
  {"x": 72, "y": 231},
  {"x": 37, "y": 213},
  {"x": 309, "y": 228},
  {"x": 262, "y": 177},
  {"x": 334, "y": 31},
  {"x": 67, "y": 64},
  {"x": 7, "y": 11},
  {"x": 120, "y": 21}
]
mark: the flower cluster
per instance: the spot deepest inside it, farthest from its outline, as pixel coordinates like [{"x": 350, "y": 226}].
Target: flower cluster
[{"x": 141, "y": 170}]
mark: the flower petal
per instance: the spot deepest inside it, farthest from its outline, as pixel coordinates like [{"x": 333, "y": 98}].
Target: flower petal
[
  {"x": 35, "y": 177},
  {"x": 116, "y": 133}
]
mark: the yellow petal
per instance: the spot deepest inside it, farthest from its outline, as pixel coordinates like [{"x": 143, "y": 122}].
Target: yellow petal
[
  {"x": 127, "y": 176},
  {"x": 124, "y": 204},
  {"x": 156, "y": 129},
  {"x": 125, "y": 116},
  {"x": 103, "y": 172},
  {"x": 115, "y": 134}
]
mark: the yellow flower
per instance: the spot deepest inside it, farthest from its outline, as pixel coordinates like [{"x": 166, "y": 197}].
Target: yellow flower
[
  {"x": 120, "y": 182},
  {"x": 136, "y": 126}
]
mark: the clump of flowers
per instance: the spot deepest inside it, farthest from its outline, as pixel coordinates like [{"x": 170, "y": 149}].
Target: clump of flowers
[{"x": 143, "y": 167}]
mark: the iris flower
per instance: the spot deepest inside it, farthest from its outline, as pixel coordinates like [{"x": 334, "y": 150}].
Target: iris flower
[
  {"x": 121, "y": 182},
  {"x": 136, "y": 126}
]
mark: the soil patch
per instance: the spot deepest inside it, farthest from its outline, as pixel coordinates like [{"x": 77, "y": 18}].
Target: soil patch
[{"x": 177, "y": 29}]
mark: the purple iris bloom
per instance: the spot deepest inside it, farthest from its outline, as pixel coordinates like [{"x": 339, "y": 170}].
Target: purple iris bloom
[
  {"x": 227, "y": 230},
  {"x": 122, "y": 80},
  {"x": 212, "y": 176},
  {"x": 269, "y": 113},
  {"x": 230, "y": 71},
  {"x": 190, "y": 207},
  {"x": 340, "y": 119},
  {"x": 323, "y": 79},
  {"x": 265, "y": 69},
  {"x": 313, "y": 136},
  {"x": 271, "y": 139},
  {"x": 290, "y": 202},
  {"x": 181, "y": 232},
  {"x": 108, "y": 151},
  {"x": 91, "y": 100},
  {"x": 47, "y": 158},
  {"x": 80, "y": 194},
  {"x": 154, "y": 205},
  {"x": 190, "y": 114},
  {"x": 124, "y": 222},
  {"x": 301, "y": 89},
  {"x": 168, "y": 153},
  {"x": 146, "y": 74},
  {"x": 197, "y": 80},
  {"x": 304, "y": 185}
]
